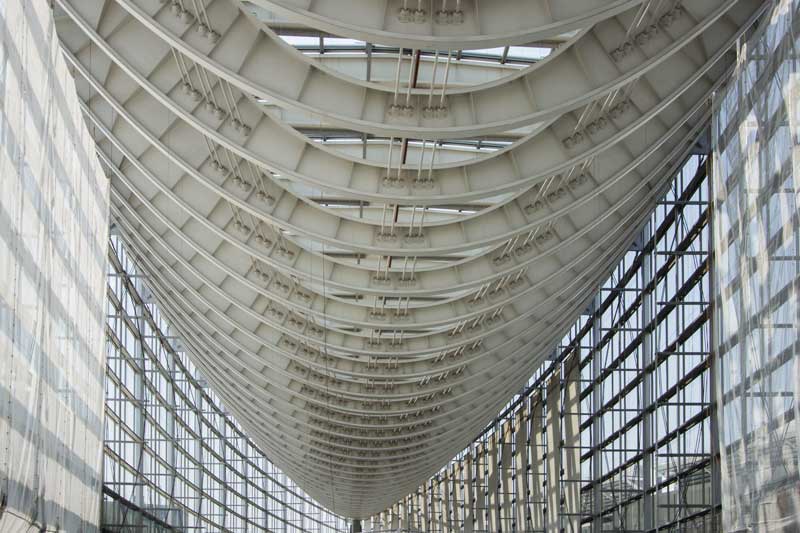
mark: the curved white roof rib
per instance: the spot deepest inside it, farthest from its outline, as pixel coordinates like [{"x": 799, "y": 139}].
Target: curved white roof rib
[
  {"x": 584, "y": 71},
  {"x": 365, "y": 320},
  {"x": 457, "y": 24}
]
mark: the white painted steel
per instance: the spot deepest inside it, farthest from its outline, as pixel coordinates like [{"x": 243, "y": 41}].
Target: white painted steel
[
  {"x": 467, "y": 24},
  {"x": 365, "y": 317}
]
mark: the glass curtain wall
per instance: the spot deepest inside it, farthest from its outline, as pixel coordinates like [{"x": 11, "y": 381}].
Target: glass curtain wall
[
  {"x": 615, "y": 431},
  {"x": 53, "y": 233},
  {"x": 757, "y": 277},
  {"x": 175, "y": 460}
]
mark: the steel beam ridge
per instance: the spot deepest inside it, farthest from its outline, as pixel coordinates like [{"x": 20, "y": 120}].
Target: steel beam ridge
[{"x": 360, "y": 320}]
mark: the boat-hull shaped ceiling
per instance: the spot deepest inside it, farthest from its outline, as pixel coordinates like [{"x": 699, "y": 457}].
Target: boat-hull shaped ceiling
[{"x": 365, "y": 319}]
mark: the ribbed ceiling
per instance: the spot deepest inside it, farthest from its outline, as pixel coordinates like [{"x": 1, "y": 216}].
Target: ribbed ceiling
[{"x": 364, "y": 315}]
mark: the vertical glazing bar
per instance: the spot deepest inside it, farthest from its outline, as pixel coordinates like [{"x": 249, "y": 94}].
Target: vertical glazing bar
[
  {"x": 436, "y": 503},
  {"x": 597, "y": 419},
  {"x": 715, "y": 468},
  {"x": 444, "y": 495},
  {"x": 553, "y": 428},
  {"x": 538, "y": 478},
  {"x": 571, "y": 451},
  {"x": 506, "y": 473},
  {"x": 648, "y": 396},
  {"x": 493, "y": 482},
  {"x": 469, "y": 494},
  {"x": 480, "y": 487},
  {"x": 521, "y": 466}
]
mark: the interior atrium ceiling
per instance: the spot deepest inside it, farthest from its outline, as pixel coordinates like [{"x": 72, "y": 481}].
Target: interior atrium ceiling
[{"x": 369, "y": 248}]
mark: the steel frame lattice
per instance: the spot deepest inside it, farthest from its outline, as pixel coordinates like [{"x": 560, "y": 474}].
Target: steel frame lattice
[
  {"x": 626, "y": 398},
  {"x": 174, "y": 459}
]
